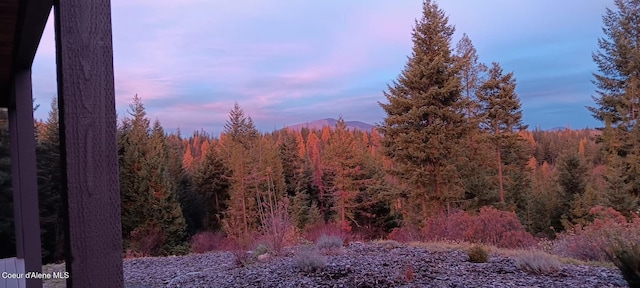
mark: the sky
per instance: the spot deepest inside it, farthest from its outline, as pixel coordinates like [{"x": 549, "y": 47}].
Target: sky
[{"x": 287, "y": 62}]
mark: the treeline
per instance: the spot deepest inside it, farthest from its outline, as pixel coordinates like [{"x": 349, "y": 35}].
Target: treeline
[{"x": 174, "y": 186}]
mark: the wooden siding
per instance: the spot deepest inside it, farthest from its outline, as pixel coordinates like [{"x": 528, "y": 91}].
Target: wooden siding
[{"x": 88, "y": 143}]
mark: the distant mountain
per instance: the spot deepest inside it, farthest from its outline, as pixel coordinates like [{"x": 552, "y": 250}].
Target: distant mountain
[
  {"x": 556, "y": 129},
  {"x": 318, "y": 124}
]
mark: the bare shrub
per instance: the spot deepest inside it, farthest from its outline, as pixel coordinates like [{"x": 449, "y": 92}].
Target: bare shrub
[
  {"x": 390, "y": 244},
  {"x": 310, "y": 261},
  {"x": 314, "y": 232},
  {"x": 241, "y": 249},
  {"x": 208, "y": 241},
  {"x": 406, "y": 234},
  {"x": 242, "y": 257},
  {"x": 537, "y": 262},
  {"x": 609, "y": 232},
  {"x": 408, "y": 273},
  {"x": 146, "y": 240},
  {"x": 330, "y": 244},
  {"x": 276, "y": 224},
  {"x": 491, "y": 227},
  {"x": 478, "y": 254},
  {"x": 517, "y": 239},
  {"x": 627, "y": 259}
]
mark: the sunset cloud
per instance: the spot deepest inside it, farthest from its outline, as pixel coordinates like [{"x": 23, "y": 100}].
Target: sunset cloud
[{"x": 287, "y": 62}]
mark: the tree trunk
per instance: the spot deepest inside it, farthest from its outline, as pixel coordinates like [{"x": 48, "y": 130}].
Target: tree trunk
[
  {"x": 500, "y": 176},
  {"x": 342, "y": 210},
  {"x": 244, "y": 205}
]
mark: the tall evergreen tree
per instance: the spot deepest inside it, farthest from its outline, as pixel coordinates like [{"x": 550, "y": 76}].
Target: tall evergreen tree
[
  {"x": 475, "y": 169},
  {"x": 424, "y": 115},
  {"x": 239, "y": 143},
  {"x": 7, "y": 230},
  {"x": 240, "y": 128},
  {"x": 572, "y": 178},
  {"x": 211, "y": 183},
  {"x": 470, "y": 73},
  {"x": 193, "y": 209},
  {"x": 166, "y": 206},
  {"x": 292, "y": 163},
  {"x": 149, "y": 201},
  {"x": 344, "y": 168},
  {"x": 618, "y": 83},
  {"x": 618, "y": 97},
  {"x": 50, "y": 186},
  {"x": 501, "y": 115}
]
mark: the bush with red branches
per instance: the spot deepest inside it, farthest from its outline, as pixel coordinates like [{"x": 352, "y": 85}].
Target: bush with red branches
[{"x": 491, "y": 227}]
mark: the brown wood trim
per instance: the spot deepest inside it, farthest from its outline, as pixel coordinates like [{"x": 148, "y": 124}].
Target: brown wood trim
[
  {"x": 31, "y": 21},
  {"x": 86, "y": 99}
]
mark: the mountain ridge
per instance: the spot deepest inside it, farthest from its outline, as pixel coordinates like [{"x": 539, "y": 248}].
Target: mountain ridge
[{"x": 331, "y": 122}]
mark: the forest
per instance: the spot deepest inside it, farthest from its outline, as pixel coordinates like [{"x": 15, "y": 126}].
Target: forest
[{"x": 452, "y": 149}]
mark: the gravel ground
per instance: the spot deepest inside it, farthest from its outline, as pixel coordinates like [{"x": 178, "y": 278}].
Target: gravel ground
[{"x": 359, "y": 265}]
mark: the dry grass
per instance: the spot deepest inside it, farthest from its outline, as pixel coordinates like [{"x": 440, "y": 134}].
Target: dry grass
[
  {"x": 330, "y": 245},
  {"x": 537, "y": 262},
  {"x": 442, "y": 246},
  {"x": 389, "y": 244},
  {"x": 512, "y": 253},
  {"x": 310, "y": 260},
  {"x": 478, "y": 254}
]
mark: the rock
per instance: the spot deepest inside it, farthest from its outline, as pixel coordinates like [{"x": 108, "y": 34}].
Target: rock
[
  {"x": 361, "y": 265},
  {"x": 264, "y": 257}
]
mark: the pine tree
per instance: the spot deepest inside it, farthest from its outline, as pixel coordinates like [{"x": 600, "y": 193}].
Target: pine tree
[
  {"x": 572, "y": 178},
  {"x": 618, "y": 83},
  {"x": 150, "y": 206},
  {"x": 211, "y": 183},
  {"x": 291, "y": 162},
  {"x": 317, "y": 169},
  {"x": 7, "y": 230},
  {"x": 424, "y": 119},
  {"x": 470, "y": 73},
  {"x": 240, "y": 128},
  {"x": 50, "y": 186},
  {"x": 132, "y": 137},
  {"x": 618, "y": 98},
  {"x": 344, "y": 168},
  {"x": 239, "y": 147},
  {"x": 475, "y": 169},
  {"x": 501, "y": 115},
  {"x": 193, "y": 208},
  {"x": 164, "y": 201}
]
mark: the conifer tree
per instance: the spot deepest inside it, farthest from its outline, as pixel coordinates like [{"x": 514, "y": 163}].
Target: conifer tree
[
  {"x": 211, "y": 183},
  {"x": 572, "y": 178},
  {"x": 240, "y": 128},
  {"x": 317, "y": 169},
  {"x": 7, "y": 230},
  {"x": 618, "y": 97},
  {"x": 239, "y": 145},
  {"x": 500, "y": 115},
  {"x": 193, "y": 208},
  {"x": 424, "y": 119},
  {"x": 344, "y": 168},
  {"x": 291, "y": 162},
  {"x": 149, "y": 201},
  {"x": 475, "y": 169},
  {"x": 470, "y": 73},
  {"x": 50, "y": 186},
  {"x": 167, "y": 211}
]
